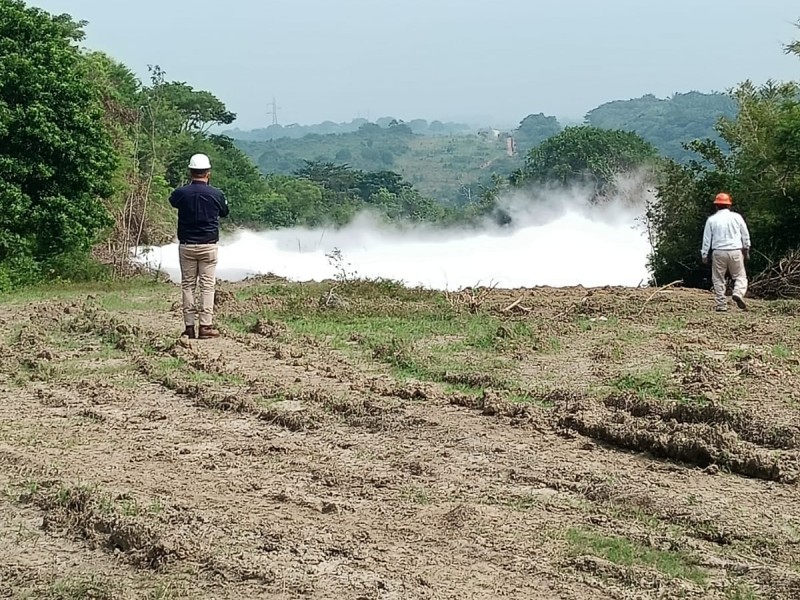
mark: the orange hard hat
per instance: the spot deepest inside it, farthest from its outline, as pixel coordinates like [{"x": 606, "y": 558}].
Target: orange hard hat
[{"x": 723, "y": 199}]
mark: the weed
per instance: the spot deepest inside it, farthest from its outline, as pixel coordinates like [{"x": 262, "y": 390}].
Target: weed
[
  {"x": 416, "y": 495},
  {"x": 741, "y": 592},
  {"x": 624, "y": 552},
  {"x": 524, "y": 502},
  {"x": 740, "y": 354}
]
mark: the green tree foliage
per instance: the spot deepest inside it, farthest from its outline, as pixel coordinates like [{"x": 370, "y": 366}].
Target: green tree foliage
[
  {"x": 56, "y": 157},
  {"x": 534, "y": 129},
  {"x": 343, "y": 192},
  {"x": 585, "y": 156},
  {"x": 669, "y": 124},
  {"x": 761, "y": 171},
  {"x": 198, "y": 110}
]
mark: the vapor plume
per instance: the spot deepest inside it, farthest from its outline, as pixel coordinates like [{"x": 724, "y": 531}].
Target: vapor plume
[{"x": 554, "y": 238}]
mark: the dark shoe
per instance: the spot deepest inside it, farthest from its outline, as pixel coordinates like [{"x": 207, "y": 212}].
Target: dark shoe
[
  {"x": 739, "y": 302},
  {"x": 189, "y": 332},
  {"x": 207, "y": 332}
]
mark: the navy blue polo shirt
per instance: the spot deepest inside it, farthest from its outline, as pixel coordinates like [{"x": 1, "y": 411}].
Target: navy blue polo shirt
[{"x": 200, "y": 206}]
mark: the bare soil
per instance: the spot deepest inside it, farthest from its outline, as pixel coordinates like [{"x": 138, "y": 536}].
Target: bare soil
[{"x": 629, "y": 445}]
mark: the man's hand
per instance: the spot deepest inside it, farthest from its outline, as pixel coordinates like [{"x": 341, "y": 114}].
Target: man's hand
[
  {"x": 746, "y": 253},
  {"x": 705, "y": 260}
]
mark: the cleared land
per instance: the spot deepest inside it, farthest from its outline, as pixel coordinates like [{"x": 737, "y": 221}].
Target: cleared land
[{"x": 376, "y": 442}]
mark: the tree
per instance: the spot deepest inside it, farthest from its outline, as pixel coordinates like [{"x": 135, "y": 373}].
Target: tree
[
  {"x": 56, "y": 158},
  {"x": 534, "y": 129},
  {"x": 199, "y": 110},
  {"x": 586, "y": 156}
]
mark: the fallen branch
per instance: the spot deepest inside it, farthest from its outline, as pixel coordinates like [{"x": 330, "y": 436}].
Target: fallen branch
[
  {"x": 517, "y": 305},
  {"x": 654, "y": 294},
  {"x": 779, "y": 280}
]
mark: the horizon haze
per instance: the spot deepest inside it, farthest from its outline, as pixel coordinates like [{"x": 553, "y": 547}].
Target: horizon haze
[{"x": 476, "y": 62}]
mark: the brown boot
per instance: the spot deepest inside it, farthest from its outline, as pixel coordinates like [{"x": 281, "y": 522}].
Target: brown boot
[
  {"x": 189, "y": 332},
  {"x": 207, "y": 332}
]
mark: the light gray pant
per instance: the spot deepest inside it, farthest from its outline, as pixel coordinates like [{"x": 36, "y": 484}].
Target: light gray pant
[
  {"x": 728, "y": 261},
  {"x": 198, "y": 262}
]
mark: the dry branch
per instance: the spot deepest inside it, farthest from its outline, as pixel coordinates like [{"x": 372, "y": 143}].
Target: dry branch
[
  {"x": 516, "y": 305},
  {"x": 654, "y": 294},
  {"x": 779, "y": 280}
]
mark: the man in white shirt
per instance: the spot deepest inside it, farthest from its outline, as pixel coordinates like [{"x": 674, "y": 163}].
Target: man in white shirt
[{"x": 727, "y": 238}]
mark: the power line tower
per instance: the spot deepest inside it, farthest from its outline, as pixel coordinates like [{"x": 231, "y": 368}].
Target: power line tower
[{"x": 274, "y": 108}]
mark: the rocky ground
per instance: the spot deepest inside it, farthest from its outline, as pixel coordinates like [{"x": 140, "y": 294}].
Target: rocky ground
[{"x": 363, "y": 441}]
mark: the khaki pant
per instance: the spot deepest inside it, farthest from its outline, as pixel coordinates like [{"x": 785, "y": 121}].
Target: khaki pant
[
  {"x": 198, "y": 262},
  {"x": 728, "y": 261}
]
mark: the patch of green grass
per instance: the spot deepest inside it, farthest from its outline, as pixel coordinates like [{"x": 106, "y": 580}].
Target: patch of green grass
[
  {"x": 416, "y": 495},
  {"x": 166, "y": 366},
  {"x": 781, "y": 351},
  {"x": 624, "y": 552},
  {"x": 553, "y": 346},
  {"x": 531, "y": 399},
  {"x": 81, "y": 588},
  {"x": 524, "y": 502},
  {"x": 692, "y": 400},
  {"x": 738, "y": 354},
  {"x": 652, "y": 384},
  {"x": 69, "y": 291},
  {"x": 133, "y": 301},
  {"x": 785, "y": 307},
  {"x": 741, "y": 592},
  {"x": 218, "y": 378},
  {"x": 671, "y": 324}
]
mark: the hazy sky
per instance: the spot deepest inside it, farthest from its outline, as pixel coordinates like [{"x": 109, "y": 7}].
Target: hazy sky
[{"x": 446, "y": 59}]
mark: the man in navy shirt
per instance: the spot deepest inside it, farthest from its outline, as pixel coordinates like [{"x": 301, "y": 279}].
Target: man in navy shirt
[{"x": 199, "y": 208}]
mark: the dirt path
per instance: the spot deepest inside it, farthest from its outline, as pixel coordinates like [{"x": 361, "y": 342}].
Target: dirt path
[{"x": 256, "y": 466}]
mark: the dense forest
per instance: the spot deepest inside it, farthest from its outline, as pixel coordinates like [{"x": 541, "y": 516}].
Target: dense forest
[{"x": 89, "y": 153}]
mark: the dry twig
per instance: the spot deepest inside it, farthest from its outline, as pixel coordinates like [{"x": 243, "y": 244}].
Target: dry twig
[{"x": 654, "y": 294}]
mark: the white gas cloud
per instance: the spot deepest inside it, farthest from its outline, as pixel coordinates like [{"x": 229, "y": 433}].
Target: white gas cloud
[{"x": 555, "y": 238}]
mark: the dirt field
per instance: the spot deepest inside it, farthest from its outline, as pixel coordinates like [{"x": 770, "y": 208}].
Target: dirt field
[{"x": 372, "y": 442}]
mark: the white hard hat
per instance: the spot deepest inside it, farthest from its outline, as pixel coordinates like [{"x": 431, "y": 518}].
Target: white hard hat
[{"x": 199, "y": 162}]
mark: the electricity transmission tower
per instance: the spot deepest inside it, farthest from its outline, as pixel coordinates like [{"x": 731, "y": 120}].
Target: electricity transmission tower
[{"x": 274, "y": 108}]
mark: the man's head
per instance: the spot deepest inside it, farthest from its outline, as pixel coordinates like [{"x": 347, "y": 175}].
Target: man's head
[
  {"x": 200, "y": 167},
  {"x": 722, "y": 201}
]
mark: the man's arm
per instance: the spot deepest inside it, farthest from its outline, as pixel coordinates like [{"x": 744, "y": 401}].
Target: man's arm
[
  {"x": 175, "y": 199},
  {"x": 706, "y": 241},
  {"x": 745, "y": 234},
  {"x": 222, "y": 203}
]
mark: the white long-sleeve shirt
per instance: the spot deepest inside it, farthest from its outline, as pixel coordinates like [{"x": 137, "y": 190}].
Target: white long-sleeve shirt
[{"x": 725, "y": 230}]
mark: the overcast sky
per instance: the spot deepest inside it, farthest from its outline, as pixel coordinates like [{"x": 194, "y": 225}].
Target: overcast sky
[{"x": 445, "y": 59}]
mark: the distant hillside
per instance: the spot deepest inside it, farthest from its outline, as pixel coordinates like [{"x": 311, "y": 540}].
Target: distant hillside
[
  {"x": 450, "y": 168},
  {"x": 667, "y": 123},
  {"x": 451, "y": 162},
  {"x": 295, "y": 131}
]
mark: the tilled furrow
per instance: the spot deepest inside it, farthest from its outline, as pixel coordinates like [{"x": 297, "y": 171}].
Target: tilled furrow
[
  {"x": 698, "y": 444},
  {"x": 747, "y": 425}
]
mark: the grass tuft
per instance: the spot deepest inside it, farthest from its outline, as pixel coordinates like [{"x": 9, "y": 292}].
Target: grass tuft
[{"x": 624, "y": 552}]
